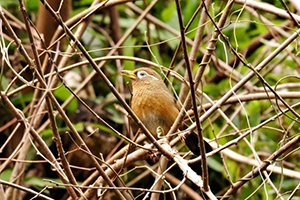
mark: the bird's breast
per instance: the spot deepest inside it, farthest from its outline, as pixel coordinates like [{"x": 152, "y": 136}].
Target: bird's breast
[{"x": 154, "y": 109}]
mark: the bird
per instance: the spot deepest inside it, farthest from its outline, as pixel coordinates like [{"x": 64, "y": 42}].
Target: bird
[{"x": 154, "y": 104}]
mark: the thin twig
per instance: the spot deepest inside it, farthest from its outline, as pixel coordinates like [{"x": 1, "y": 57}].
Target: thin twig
[
  {"x": 193, "y": 96},
  {"x": 25, "y": 189}
]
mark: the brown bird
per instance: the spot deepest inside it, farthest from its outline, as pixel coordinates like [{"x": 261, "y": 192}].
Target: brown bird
[{"x": 154, "y": 105}]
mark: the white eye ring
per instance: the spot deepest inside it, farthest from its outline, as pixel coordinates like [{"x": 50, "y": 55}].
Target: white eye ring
[{"x": 142, "y": 74}]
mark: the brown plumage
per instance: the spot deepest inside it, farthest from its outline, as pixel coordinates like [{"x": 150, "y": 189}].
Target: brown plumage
[
  {"x": 151, "y": 100},
  {"x": 154, "y": 105}
]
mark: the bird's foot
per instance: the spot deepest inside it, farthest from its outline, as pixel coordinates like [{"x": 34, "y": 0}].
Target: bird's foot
[
  {"x": 181, "y": 136},
  {"x": 160, "y": 132}
]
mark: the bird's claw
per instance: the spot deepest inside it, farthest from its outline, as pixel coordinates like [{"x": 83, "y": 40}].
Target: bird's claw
[
  {"x": 160, "y": 132},
  {"x": 181, "y": 136}
]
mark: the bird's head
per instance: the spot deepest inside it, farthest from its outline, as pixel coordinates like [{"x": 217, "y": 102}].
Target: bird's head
[{"x": 142, "y": 74}]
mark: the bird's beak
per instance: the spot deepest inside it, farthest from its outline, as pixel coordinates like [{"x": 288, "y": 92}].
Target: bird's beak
[{"x": 129, "y": 74}]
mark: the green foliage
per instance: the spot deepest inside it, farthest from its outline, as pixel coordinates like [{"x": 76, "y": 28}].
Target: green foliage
[
  {"x": 4, "y": 82},
  {"x": 169, "y": 12},
  {"x": 6, "y": 174},
  {"x": 215, "y": 165},
  {"x": 82, "y": 3},
  {"x": 129, "y": 51},
  {"x": 9, "y": 3},
  {"x": 47, "y": 133},
  {"x": 215, "y": 89},
  {"x": 156, "y": 58},
  {"x": 253, "y": 112},
  {"x": 22, "y": 99},
  {"x": 102, "y": 128},
  {"x": 63, "y": 94},
  {"x": 241, "y": 30},
  {"x": 32, "y": 5},
  {"x": 40, "y": 183}
]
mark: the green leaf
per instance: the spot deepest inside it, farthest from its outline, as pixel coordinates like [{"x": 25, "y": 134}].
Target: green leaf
[
  {"x": 5, "y": 175},
  {"x": 5, "y": 82},
  {"x": 63, "y": 94},
  {"x": 156, "y": 57},
  {"x": 129, "y": 51},
  {"x": 48, "y": 132},
  {"x": 215, "y": 165},
  {"x": 189, "y": 10},
  {"x": 167, "y": 36},
  {"x": 22, "y": 99},
  {"x": 253, "y": 110},
  {"x": 168, "y": 13},
  {"x": 40, "y": 183},
  {"x": 36, "y": 182},
  {"x": 102, "y": 128},
  {"x": 32, "y": 5},
  {"x": 9, "y": 3}
]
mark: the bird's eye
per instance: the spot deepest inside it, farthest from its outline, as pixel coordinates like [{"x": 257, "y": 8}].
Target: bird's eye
[{"x": 141, "y": 74}]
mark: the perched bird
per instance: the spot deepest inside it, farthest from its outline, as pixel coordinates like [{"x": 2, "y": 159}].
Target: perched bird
[{"x": 154, "y": 105}]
